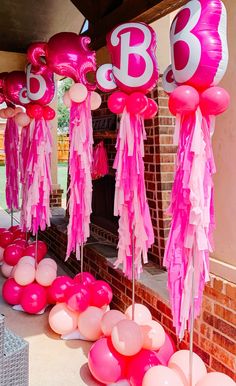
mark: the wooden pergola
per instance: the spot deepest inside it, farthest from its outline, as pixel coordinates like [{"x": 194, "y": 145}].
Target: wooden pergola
[{"x": 26, "y": 21}]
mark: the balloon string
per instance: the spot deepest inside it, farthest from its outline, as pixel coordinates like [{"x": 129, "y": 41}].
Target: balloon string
[
  {"x": 36, "y": 249},
  {"x": 191, "y": 326},
  {"x": 11, "y": 217},
  {"x": 133, "y": 275}
]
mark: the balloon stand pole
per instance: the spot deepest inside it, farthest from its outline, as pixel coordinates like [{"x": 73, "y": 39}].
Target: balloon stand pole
[
  {"x": 36, "y": 249},
  {"x": 133, "y": 276},
  {"x": 11, "y": 217},
  {"x": 191, "y": 328},
  {"x": 82, "y": 260}
]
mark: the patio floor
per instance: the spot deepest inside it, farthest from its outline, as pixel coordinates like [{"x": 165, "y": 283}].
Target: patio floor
[{"x": 53, "y": 362}]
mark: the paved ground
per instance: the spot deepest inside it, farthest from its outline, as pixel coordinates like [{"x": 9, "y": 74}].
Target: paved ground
[{"x": 53, "y": 362}]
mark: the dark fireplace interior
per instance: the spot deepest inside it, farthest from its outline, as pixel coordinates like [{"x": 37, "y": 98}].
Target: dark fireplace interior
[{"x": 103, "y": 204}]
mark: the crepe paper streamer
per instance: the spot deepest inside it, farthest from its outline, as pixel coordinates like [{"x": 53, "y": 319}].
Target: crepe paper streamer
[
  {"x": 37, "y": 176},
  {"x": 80, "y": 188},
  {"x": 100, "y": 165},
  {"x": 23, "y": 157},
  {"x": 11, "y": 145},
  {"x": 130, "y": 195},
  {"x": 191, "y": 235}
]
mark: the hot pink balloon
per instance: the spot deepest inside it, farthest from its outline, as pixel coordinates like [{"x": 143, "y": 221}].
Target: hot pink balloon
[
  {"x": 13, "y": 253},
  {"x": 33, "y": 298},
  {"x": 214, "y": 101},
  {"x": 136, "y": 103},
  {"x": 14, "y": 88},
  {"x": 85, "y": 278},
  {"x": 199, "y": 44},
  {"x": 105, "y": 363},
  {"x": 21, "y": 242},
  {"x": 101, "y": 293},
  {"x": 77, "y": 298},
  {"x": 11, "y": 291},
  {"x": 41, "y": 245},
  {"x": 40, "y": 87},
  {"x": 2, "y": 95},
  {"x": 139, "y": 364},
  {"x": 167, "y": 350},
  {"x": 184, "y": 99},
  {"x": 117, "y": 102},
  {"x": 57, "y": 290},
  {"x": 6, "y": 238},
  {"x": 151, "y": 109},
  {"x": 133, "y": 43},
  {"x": 66, "y": 54},
  {"x": 31, "y": 251},
  {"x": 216, "y": 379}
]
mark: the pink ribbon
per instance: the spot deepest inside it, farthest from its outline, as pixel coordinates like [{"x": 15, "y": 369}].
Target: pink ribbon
[
  {"x": 130, "y": 195},
  {"x": 80, "y": 161},
  {"x": 11, "y": 145}
]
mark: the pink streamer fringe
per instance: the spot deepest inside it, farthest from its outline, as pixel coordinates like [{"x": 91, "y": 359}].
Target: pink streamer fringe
[
  {"x": 190, "y": 238},
  {"x": 35, "y": 166},
  {"x": 80, "y": 162},
  {"x": 100, "y": 161},
  {"x": 11, "y": 144},
  {"x": 130, "y": 195}
]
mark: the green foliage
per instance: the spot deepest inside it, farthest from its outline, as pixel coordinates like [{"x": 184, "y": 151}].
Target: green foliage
[{"x": 63, "y": 111}]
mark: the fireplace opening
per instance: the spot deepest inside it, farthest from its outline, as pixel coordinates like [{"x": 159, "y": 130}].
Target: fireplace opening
[{"x": 103, "y": 204}]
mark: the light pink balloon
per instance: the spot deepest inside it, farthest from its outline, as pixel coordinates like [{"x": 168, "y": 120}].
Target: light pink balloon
[
  {"x": 153, "y": 335},
  {"x": 6, "y": 269},
  {"x": 216, "y": 379},
  {"x": 19, "y": 109},
  {"x": 45, "y": 274},
  {"x": 110, "y": 319},
  {"x": 1, "y": 253},
  {"x": 2, "y": 114},
  {"x": 96, "y": 100},
  {"x": 24, "y": 274},
  {"x": 127, "y": 337},
  {"x": 179, "y": 362},
  {"x": 27, "y": 259},
  {"x": 48, "y": 261},
  {"x": 22, "y": 119},
  {"x": 9, "y": 112},
  {"x": 78, "y": 92},
  {"x": 66, "y": 99},
  {"x": 62, "y": 320},
  {"x": 142, "y": 314},
  {"x": 161, "y": 376},
  {"x": 89, "y": 323}
]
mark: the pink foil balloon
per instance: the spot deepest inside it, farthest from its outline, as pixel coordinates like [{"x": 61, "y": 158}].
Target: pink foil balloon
[
  {"x": 179, "y": 362},
  {"x": 167, "y": 350},
  {"x": 89, "y": 323},
  {"x": 105, "y": 79},
  {"x": 14, "y": 88},
  {"x": 216, "y": 379},
  {"x": 139, "y": 364},
  {"x": 66, "y": 54},
  {"x": 142, "y": 314},
  {"x": 24, "y": 274},
  {"x": 33, "y": 298},
  {"x": 40, "y": 87},
  {"x": 62, "y": 320},
  {"x": 127, "y": 337},
  {"x": 105, "y": 363},
  {"x": 153, "y": 335},
  {"x": 11, "y": 291},
  {"x": 198, "y": 39},
  {"x": 6, "y": 269},
  {"x": 101, "y": 293},
  {"x": 133, "y": 52},
  {"x": 161, "y": 376},
  {"x": 110, "y": 319},
  {"x": 45, "y": 275}
]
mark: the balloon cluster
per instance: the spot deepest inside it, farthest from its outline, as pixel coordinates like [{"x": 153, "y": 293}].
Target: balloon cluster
[
  {"x": 78, "y": 93},
  {"x": 135, "y": 103},
  {"x": 80, "y": 305},
  {"x": 27, "y": 279}
]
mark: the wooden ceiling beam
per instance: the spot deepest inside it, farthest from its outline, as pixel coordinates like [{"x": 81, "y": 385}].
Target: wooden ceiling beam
[{"x": 144, "y": 10}]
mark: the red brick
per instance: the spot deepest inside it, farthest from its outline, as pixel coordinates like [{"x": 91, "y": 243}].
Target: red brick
[
  {"x": 225, "y": 314},
  {"x": 224, "y": 342}
]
